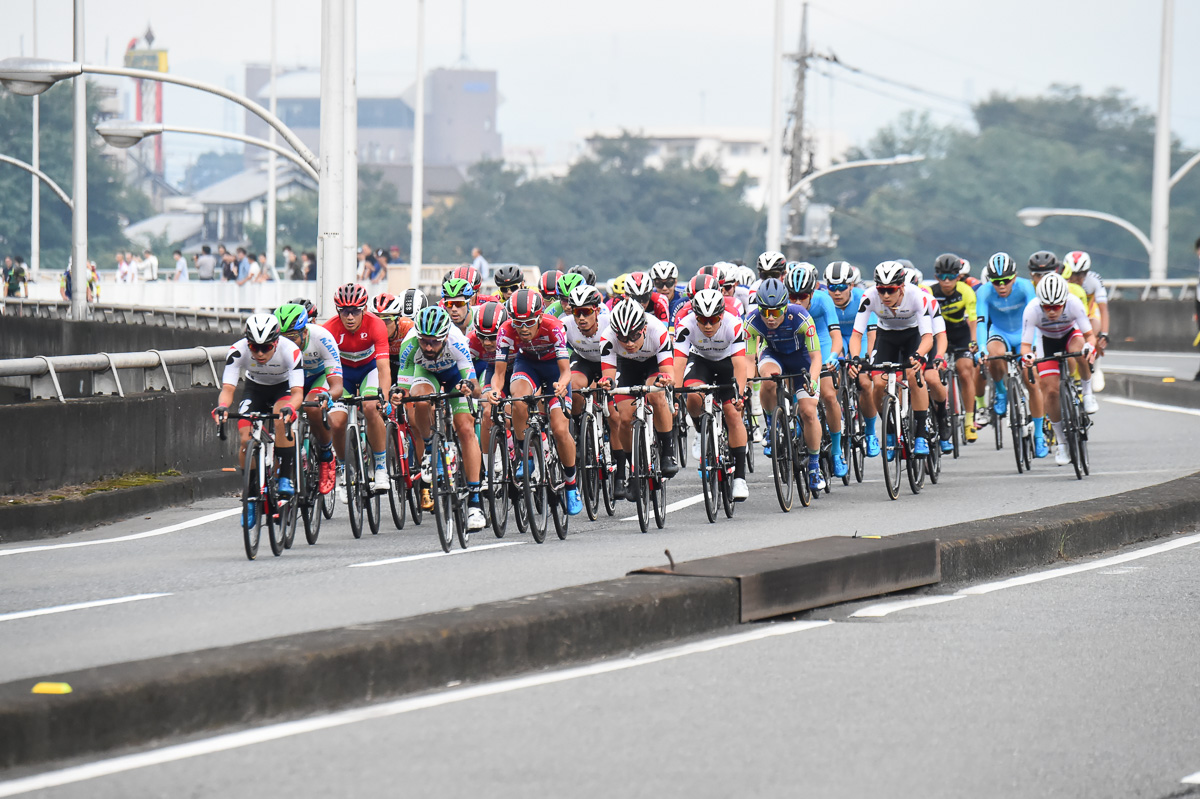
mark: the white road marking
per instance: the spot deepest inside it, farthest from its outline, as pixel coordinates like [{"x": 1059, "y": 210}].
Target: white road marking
[
  {"x": 427, "y": 555},
  {"x": 1154, "y": 406},
  {"x": 174, "y": 528},
  {"x": 1149, "y": 354},
  {"x": 1191, "y": 779},
  {"x": 886, "y": 608},
  {"x": 1116, "y": 369},
  {"x": 98, "y": 603},
  {"x": 274, "y": 732},
  {"x": 683, "y": 503}
]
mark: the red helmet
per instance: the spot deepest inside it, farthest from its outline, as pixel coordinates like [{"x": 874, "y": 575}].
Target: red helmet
[
  {"x": 385, "y": 304},
  {"x": 524, "y": 305},
  {"x": 488, "y": 318},
  {"x": 639, "y": 286},
  {"x": 469, "y": 274},
  {"x": 548, "y": 283},
  {"x": 350, "y": 295},
  {"x": 699, "y": 283}
]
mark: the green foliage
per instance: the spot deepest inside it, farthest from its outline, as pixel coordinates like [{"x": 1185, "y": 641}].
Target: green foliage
[
  {"x": 610, "y": 212},
  {"x": 210, "y": 168},
  {"x": 1063, "y": 150},
  {"x": 111, "y": 203}
]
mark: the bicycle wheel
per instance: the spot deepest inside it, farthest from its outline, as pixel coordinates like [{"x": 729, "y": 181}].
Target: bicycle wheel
[
  {"x": 848, "y": 429},
  {"x": 442, "y": 520},
  {"x": 859, "y": 447},
  {"x": 1070, "y": 418},
  {"x": 497, "y": 481},
  {"x": 1016, "y": 424},
  {"x": 371, "y": 498},
  {"x": 270, "y": 506},
  {"x": 800, "y": 462},
  {"x": 288, "y": 517},
  {"x": 588, "y": 473},
  {"x": 639, "y": 464},
  {"x": 533, "y": 485},
  {"x": 457, "y": 489},
  {"x": 914, "y": 464},
  {"x": 748, "y": 423},
  {"x": 412, "y": 478},
  {"x": 708, "y": 468},
  {"x": 1083, "y": 443},
  {"x": 680, "y": 436},
  {"x": 310, "y": 507},
  {"x": 397, "y": 485},
  {"x": 995, "y": 421},
  {"x": 890, "y": 454},
  {"x": 956, "y": 413},
  {"x": 608, "y": 480},
  {"x": 933, "y": 463},
  {"x": 781, "y": 458},
  {"x": 556, "y": 489},
  {"x": 658, "y": 488},
  {"x": 725, "y": 473},
  {"x": 250, "y": 500},
  {"x": 354, "y": 480},
  {"x": 328, "y": 503}
]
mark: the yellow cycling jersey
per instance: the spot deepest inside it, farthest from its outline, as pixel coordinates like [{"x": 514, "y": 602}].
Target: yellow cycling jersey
[
  {"x": 1078, "y": 291},
  {"x": 959, "y": 305}
]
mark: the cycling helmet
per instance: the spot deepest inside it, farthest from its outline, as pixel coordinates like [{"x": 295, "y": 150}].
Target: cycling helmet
[
  {"x": 839, "y": 272},
  {"x": 772, "y": 294},
  {"x": 855, "y": 275},
  {"x": 628, "y": 318},
  {"x": 457, "y": 288},
  {"x": 524, "y": 305},
  {"x": 548, "y": 283},
  {"x": 746, "y": 276},
  {"x": 292, "y": 318},
  {"x": 771, "y": 263},
  {"x": 448, "y": 276},
  {"x": 1052, "y": 290},
  {"x": 508, "y": 275},
  {"x": 567, "y": 283},
  {"x": 1000, "y": 266},
  {"x": 708, "y": 302},
  {"x": 639, "y": 286},
  {"x": 965, "y": 269},
  {"x": 262, "y": 329},
  {"x": 1077, "y": 262},
  {"x": 350, "y": 295},
  {"x": 946, "y": 263},
  {"x": 726, "y": 274},
  {"x": 433, "y": 322},
  {"x": 471, "y": 275},
  {"x": 618, "y": 285},
  {"x": 664, "y": 270},
  {"x": 889, "y": 273},
  {"x": 1043, "y": 261},
  {"x": 309, "y": 306},
  {"x": 488, "y": 318},
  {"x": 913, "y": 275},
  {"x": 589, "y": 276},
  {"x": 801, "y": 280},
  {"x": 585, "y": 296},
  {"x": 411, "y": 302},
  {"x": 699, "y": 283},
  {"x": 386, "y": 304},
  {"x": 907, "y": 264}
]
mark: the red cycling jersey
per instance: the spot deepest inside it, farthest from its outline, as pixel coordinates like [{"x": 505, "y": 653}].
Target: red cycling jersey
[
  {"x": 369, "y": 342},
  {"x": 658, "y": 307},
  {"x": 549, "y": 341}
]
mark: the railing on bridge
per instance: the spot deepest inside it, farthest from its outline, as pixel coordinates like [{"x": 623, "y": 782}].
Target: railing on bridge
[
  {"x": 1138, "y": 289},
  {"x": 151, "y": 371},
  {"x": 190, "y": 318}
]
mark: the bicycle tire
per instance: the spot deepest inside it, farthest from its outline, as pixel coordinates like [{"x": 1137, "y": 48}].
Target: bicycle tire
[
  {"x": 459, "y": 497},
  {"x": 956, "y": 412},
  {"x": 311, "y": 509},
  {"x": 288, "y": 517},
  {"x": 914, "y": 465},
  {"x": 329, "y": 503},
  {"x": 556, "y": 490},
  {"x": 679, "y": 434},
  {"x": 658, "y": 487},
  {"x": 354, "y": 478},
  {"x": 708, "y": 468},
  {"x": 442, "y": 523},
  {"x": 890, "y": 417},
  {"x": 848, "y": 426},
  {"x": 608, "y": 480},
  {"x": 725, "y": 474},
  {"x": 748, "y": 423},
  {"x": 371, "y": 497},
  {"x": 397, "y": 485},
  {"x": 933, "y": 463},
  {"x": 251, "y": 533},
  {"x": 1070, "y": 417},
  {"x": 588, "y": 473},
  {"x": 499, "y": 499},
  {"x": 781, "y": 458},
  {"x": 639, "y": 464},
  {"x": 270, "y": 510},
  {"x": 534, "y": 490},
  {"x": 1015, "y": 423},
  {"x": 413, "y": 479},
  {"x": 800, "y": 461}
]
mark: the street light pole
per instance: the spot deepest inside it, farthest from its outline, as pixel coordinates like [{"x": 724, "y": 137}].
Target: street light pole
[
  {"x": 79, "y": 212},
  {"x": 1160, "y": 192},
  {"x": 418, "y": 159},
  {"x": 775, "y": 139},
  {"x": 127, "y": 133},
  {"x": 35, "y": 211},
  {"x": 350, "y": 143},
  {"x": 39, "y": 175},
  {"x": 330, "y": 213},
  {"x": 1032, "y": 217},
  {"x": 807, "y": 180},
  {"x": 272, "y": 188}
]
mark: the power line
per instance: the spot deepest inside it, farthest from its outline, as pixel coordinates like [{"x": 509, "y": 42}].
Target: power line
[
  {"x": 891, "y": 96},
  {"x": 833, "y": 59}
]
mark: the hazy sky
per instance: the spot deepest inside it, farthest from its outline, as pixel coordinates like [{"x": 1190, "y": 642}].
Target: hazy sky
[{"x": 566, "y": 65}]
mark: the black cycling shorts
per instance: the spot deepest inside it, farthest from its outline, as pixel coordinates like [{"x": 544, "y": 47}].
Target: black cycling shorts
[
  {"x": 260, "y": 398},
  {"x": 701, "y": 370},
  {"x": 589, "y": 369},
  {"x": 896, "y": 346},
  {"x": 958, "y": 338}
]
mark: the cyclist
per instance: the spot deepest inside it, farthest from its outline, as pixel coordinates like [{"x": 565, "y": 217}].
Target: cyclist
[
  {"x": 1077, "y": 269},
  {"x": 548, "y": 286},
  {"x": 322, "y": 378},
  {"x": 771, "y": 264},
  {"x": 1063, "y": 323},
  {"x": 274, "y": 384},
  {"x": 938, "y": 395},
  {"x": 436, "y": 357},
  {"x": 636, "y": 349},
  {"x": 840, "y": 277},
  {"x": 904, "y": 334},
  {"x": 616, "y": 290},
  {"x": 366, "y": 370},
  {"x": 1000, "y": 305},
  {"x": 508, "y": 278},
  {"x": 957, "y": 300},
  {"x": 640, "y": 288},
  {"x": 538, "y": 343},
  {"x": 791, "y": 347},
  {"x": 589, "y": 275},
  {"x": 710, "y": 347},
  {"x": 584, "y": 326},
  {"x": 727, "y": 284},
  {"x": 665, "y": 275},
  {"x": 482, "y": 341},
  {"x": 472, "y": 276},
  {"x": 964, "y": 274},
  {"x": 803, "y": 291},
  {"x": 561, "y": 308},
  {"x": 456, "y": 299}
]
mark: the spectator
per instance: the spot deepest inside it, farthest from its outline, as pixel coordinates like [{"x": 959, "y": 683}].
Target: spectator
[
  {"x": 245, "y": 270},
  {"x": 125, "y": 270},
  {"x": 16, "y": 277},
  {"x": 181, "y": 269},
  {"x": 480, "y": 263},
  {"x": 66, "y": 283},
  {"x": 309, "y": 265},
  {"x": 206, "y": 264},
  {"x": 135, "y": 266},
  {"x": 229, "y": 269},
  {"x": 266, "y": 271},
  {"x": 291, "y": 266},
  {"x": 149, "y": 266},
  {"x": 379, "y": 273},
  {"x": 394, "y": 256},
  {"x": 93, "y": 282}
]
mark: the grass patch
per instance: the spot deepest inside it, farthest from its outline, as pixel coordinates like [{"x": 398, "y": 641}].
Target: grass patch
[{"x": 63, "y": 493}]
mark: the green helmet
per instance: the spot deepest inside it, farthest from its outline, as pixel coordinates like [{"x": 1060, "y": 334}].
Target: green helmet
[
  {"x": 292, "y": 317},
  {"x": 568, "y": 283},
  {"x": 433, "y": 322},
  {"x": 456, "y": 288}
]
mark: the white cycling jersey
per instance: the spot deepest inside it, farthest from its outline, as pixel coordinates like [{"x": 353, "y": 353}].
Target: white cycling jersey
[
  {"x": 1093, "y": 286},
  {"x": 912, "y": 311},
  {"x": 656, "y": 343},
  {"x": 743, "y": 293},
  {"x": 728, "y": 339},
  {"x": 1035, "y": 320},
  {"x": 283, "y": 366},
  {"x": 454, "y": 355},
  {"x": 586, "y": 347},
  {"x": 937, "y": 322},
  {"x": 320, "y": 356}
]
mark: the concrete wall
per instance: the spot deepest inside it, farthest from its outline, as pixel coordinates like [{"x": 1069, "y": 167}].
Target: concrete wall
[
  {"x": 51, "y": 444},
  {"x": 1158, "y": 325},
  {"x": 24, "y": 337}
]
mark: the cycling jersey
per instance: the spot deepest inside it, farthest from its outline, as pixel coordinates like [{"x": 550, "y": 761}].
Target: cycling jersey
[
  {"x": 366, "y": 344},
  {"x": 796, "y": 333},
  {"x": 656, "y": 343},
  {"x": 320, "y": 357},
  {"x": 657, "y": 307},
  {"x": 556, "y": 309},
  {"x": 586, "y": 347},
  {"x": 549, "y": 341},
  {"x": 911, "y": 312},
  {"x": 675, "y": 301},
  {"x": 727, "y": 340},
  {"x": 958, "y": 306},
  {"x": 731, "y": 306},
  {"x": 742, "y": 295},
  {"x": 455, "y": 356},
  {"x": 1093, "y": 284},
  {"x": 1001, "y": 316},
  {"x": 284, "y": 365},
  {"x": 1034, "y": 320},
  {"x": 825, "y": 318},
  {"x": 403, "y": 325},
  {"x": 846, "y": 314}
]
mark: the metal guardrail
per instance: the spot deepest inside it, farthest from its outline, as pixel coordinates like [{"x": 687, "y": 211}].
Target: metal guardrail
[
  {"x": 1146, "y": 288},
  {"x": 189, "y": 318},
  {"x": 154, "y": 365}
]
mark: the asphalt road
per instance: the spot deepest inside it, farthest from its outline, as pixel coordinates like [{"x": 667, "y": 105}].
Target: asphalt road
[
  {"x": 1079, "y": 685},
  {"x": 1180, "y": 365},
  {"x": 214, "y": 596}
]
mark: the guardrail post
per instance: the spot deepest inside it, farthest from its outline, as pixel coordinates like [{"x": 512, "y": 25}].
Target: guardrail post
[
  {"x": 107, "y": 381},
  {"x": 38, "y": 384},
  {"x": 150, "y": 378},
  {"x": 205, "y": 373}
]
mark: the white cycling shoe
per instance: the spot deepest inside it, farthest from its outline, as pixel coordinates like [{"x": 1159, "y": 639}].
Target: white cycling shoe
[
  {"x": 475, "y": 519},
  {"x": 696, "y": 447},
  {"x": 981, "y": 417},
  {"x": 1089, "y": 403},
  {"x": 740, "y": 490},
  {"x": 342, "y": 494},
  {"x": 1062, "y": 455},
  {"x": 380, "y": 480}
]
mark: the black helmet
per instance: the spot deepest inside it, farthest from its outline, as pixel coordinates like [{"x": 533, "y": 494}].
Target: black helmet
[
  {"x": 1000, "y": 266},
  {"x": 508, "y": 275},
  {"x": 1043, "y": 261},
  {"x": 946, "y": 263},
  {"x": 589, "y": 276}
]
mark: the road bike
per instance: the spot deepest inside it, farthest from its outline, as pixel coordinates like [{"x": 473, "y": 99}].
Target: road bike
[
  {"x": 789, "y": 455},
  {"x": 308, "y": 471},
  {"x": 402, "y": 468},
  {"x": 716, "y": 463},
  {"x": 896, "y": 414},
  {"x": 260, "y": 486},
  {"x": 543, "y": 482},
  {"x": 446, "y": 475},
  {"x": 680, "y": 430},
  {"x": 361, "y": 496},
  {"x": 596, "y": 473},
  {"x": 1020, "y": 423},
  {"x": 854, "y": 436},
  {"x": 1075, "y": 420},
  {"x": 503, "y": 488},
  {"x": 645, "y": 461}
]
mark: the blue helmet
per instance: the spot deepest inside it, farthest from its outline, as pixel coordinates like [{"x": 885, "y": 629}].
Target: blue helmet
[
  {"x": 802, "y": 281},
  {"x": 772, "y": 294}
]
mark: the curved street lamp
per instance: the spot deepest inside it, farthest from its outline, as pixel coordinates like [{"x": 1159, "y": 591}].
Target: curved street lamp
[
  {"x": 62, "y": 195},
  {"x": 1032, "y": 217}
]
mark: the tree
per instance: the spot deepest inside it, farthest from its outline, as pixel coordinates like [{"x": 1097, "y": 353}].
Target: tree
[{"x": 211, "y": 167}]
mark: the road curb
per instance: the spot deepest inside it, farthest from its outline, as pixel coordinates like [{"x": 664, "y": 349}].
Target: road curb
[
  {"x": 1180, "y": 393},
  {"x": 135, "y": 703},
  {"x": 34, "y": 521}
]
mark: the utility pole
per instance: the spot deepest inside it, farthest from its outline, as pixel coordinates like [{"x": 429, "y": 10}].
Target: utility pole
[
  {"x": 331, "y": 268},
  {"x": 1160, "y": 192},
  {"x": 272, "y": 188},
  {"x": 35, "y": 216},
  {"x": 775, "y": 140},
  {"x": 798, "y": 165}
]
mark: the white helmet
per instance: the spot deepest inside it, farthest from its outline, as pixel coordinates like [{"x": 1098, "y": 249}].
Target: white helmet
[
  {"x": 708, "y": 302},
  {"x": 913, "y": 276},
  {"x": 889, "y": 273},
  {"x": 726, "y": 272},
  {"x": 746, "y": 276},
  {"x": 262, "y": 328},
  {"x": 1052, "y": 290},
  {"x": 585, "y": 296},
  {"x": 965, "y": 269},
  {"x": 1077, "y": 262},
  {"x": 664, "y": 270},
  {"x": 628, "y": 318},
  {"x": 773, "y": 262},
  {"x": 411, "y": 302},
  {"x": 839, "y": 272},
  {"x": 855, "y": 275}
]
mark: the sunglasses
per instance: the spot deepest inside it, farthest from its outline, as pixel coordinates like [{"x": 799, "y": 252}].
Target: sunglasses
[
  {"x": 507, "y": 289},
  {"x": 390, "y": 320},
  {"x": 803, "y": 295},
  {"x": 260, "y": 348},
  {"x": 430, "y": 342},
  {"x": 773, "y": 313},
  {"x": 348, "y": 311},
  {"x": 729, "y": 287},
  {"x": 526, "y": 323},
  {"x": 709, "y": 320},
  {"x": 887, "y": 290},
  {"x": 632, "y": 337},
  {"x": 1002, "y": 281},
  {"x": 665, "y": 285},
  {"x": 948, "y": 276},
  {"x": 838, "y": 286},
  {"x": 485, "y": 336},
  {"x": 1055, "y": 307},
  {"x": 583, "y": 311},
  {"x": 457, "y": 305}
]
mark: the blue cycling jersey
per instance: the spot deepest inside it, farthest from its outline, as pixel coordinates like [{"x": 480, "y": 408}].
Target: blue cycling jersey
[
  {"x": 676, "y": 301},
  {"x": 1002, "y": 315},
  {"x": 796, "y": 333},
  {"x": 825, "y": 316},
  {"x": 846, "y": 321}
]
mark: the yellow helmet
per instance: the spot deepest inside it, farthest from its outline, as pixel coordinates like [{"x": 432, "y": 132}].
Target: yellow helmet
[{"x": 618, "y": 284}]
